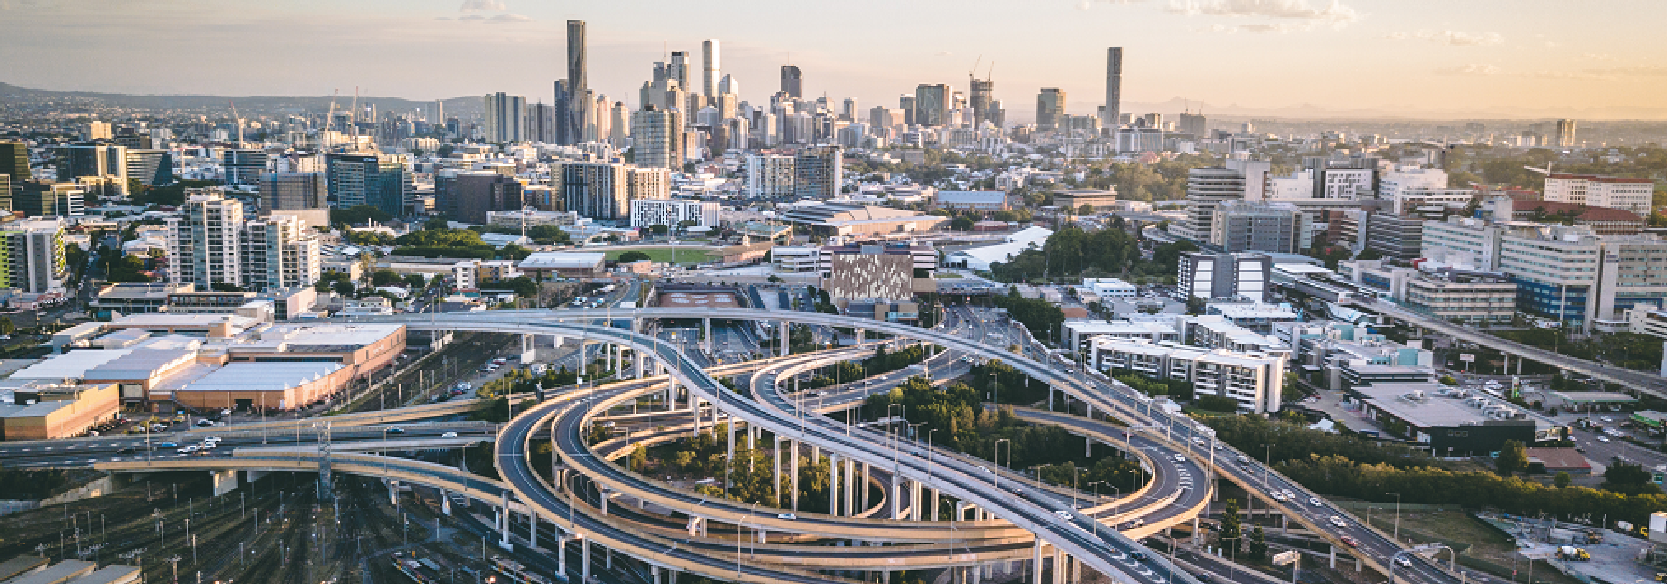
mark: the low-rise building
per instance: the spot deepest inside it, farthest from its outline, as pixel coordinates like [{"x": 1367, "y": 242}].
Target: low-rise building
[
  {"x": 1254, "y": 380},
  {"x": 1469, "y": 297},
  {"x": 1445, "y": 423},
  {"x": 545, "y": 265},
  {"x": 971, "y": 200},
  {"x": 673, "y": 212},
  {"x": 51, "y": 411}
]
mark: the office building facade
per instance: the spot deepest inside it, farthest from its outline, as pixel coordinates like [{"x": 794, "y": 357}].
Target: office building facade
[
  {"x": 368, "y": 179},
  {"x": 1240, "y": 226},
  {"x": 792, "y": 81},
  {"x": 817, "y": 172},
  {"x": 506, "y": 118},
  {"x": 657, "y": 138},
  {"x": 1224, "y": 276},
  {"x": 1050, "y": 108},
  {"x": 1113, "y": 112}
]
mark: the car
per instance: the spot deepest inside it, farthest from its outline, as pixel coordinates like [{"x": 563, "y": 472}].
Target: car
[
  {"x": 1606, "y": 419},
  {"x": 449, "y": 435},
  {"x": 1315, "y": 501},
  {"x": 1180, "y": 458},
  {"x": 1244, "y": 459},
  {"x": 1063, "y": 514},
  {"x": 205, "y": 422},
  {"x": 1603, "y": 438},
  {"x": 1403, "y": 561},
  {"x": 1338, "y": 521},
  {"x": 1351, "y": 541},
  {"x": 787, "y": 516},
  {"x": 1138, "y": 556},
  {"x": 395, "y": 430},
  {"x": 167, "y": 445}
]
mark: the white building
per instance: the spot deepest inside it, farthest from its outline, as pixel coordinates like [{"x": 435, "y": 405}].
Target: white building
[
  {"x": 1630, "y": 194},
  {"x": 1109, "y": 287},
  {"x": 1254, "y": 380},
  {"x": 211, "y": 243},
  {"x": 770, "y": 175},
  {"x": 671, "y": 212},
  {"x": 1403, "y": 179},
  {"x": 980, "y": 258}
]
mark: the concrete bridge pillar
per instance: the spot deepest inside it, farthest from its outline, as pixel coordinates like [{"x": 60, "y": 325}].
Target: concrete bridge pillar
[
  {"x": 793, "y": 471},
  {"x": 445, "y": 502},
  {"x": 529, "y": 349},
  {"x": 706, "y": 333},
  {"x": 638, "y": 358},
  {"x": 604, "y": 497},
  {"x": 851, "y": 487},
  {"x": 1087, "y": 447},
  {"x": 775, "y": 461},
  {"x": 914, "y": 500},
  {"x": 1050, "y": 398},
  {"x": 1058, "y": 566},
  {"x": 225, "y": 481},
  {"x": 503, "y": 540},
  {"x": 1036, "y": 563},
  {"x": 655, "y": 570},
  {"x": 863, "y": 486},
  {"x": 694, "y": 408},
  {"x": 862, "y": 335},
  {"x": 896, "y": 499},
  {"x": 833, "y": 484},
  {"x": 532, "y": 530},
  {"x": 783, "y": 338},
  {"x": 1331, "y": 557},
  {"x": 584, "y": 558},
  {"x": 934, "y": 516},
  {"x": 561, "y": 553}
]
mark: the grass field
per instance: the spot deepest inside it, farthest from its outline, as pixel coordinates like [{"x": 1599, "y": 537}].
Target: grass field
[
  {"x": 1485, "y": 543},
  {"x": 664, "y": 255}
]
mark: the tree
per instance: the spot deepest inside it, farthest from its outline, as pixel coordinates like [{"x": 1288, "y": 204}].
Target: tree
[
  {"x": 633, "y": 256},
  {"x": 358, "y": 214},
  {"x": 962, "y": 223},
  {"x": 381, "y": 278},
  {"x": 1629, "y": 479},
  {"x": 1085, "y": 209},
  {"x": 7, "y": 326},
  {"x": 659, "y": 229},
  {"x": 1232, "y": 532},
  {"x": 1258, "y": 544},
  {"x": 1562, "y": 480},
  {"x": 1513, "y": 458},
  {"x": 523, "y": 286}
]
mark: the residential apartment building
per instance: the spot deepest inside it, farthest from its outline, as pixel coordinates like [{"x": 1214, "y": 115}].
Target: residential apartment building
[
  {"x": 210, "y": 243},
  {"x": 604, "y": 190},
  {"x": 657, "y": 138},
  {"x": 769, "y": 176},
  {"x": 33, "y": 255},
  {"x": 818, "y": 172},
  {"x": 1208, "y": 187}
]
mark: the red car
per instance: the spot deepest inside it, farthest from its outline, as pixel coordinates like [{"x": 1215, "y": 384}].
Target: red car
[{"x": 1351, "y": 541}]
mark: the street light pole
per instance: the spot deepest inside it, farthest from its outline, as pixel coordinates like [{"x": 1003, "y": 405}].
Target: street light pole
[{"x": 995, "y": 456}]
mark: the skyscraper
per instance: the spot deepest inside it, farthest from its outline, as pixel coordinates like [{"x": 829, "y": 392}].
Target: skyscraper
[
  {"x": 34, "y": 250},
  {"x": 14, "y": 161},
  {"x": 983, "y": 92},
  {"x": 367, "y": 179},
  {"x": 817, "y": 172},
  {"x": 301, "y": 194},
  {"x": 932, "y": 103},
  {"x": 657, "y": 138},
  {"x": 574, "y": 112},
  {"x": 506, "y": 117},
  {"x": 1114, "y": 87},
  {"x": 1564, "y": 136},
  {"x": 1050, "y": 108},
  {"x": 792, "y": 81},
  {"x": 243, "y": 166},
  {"x": 709, "y": 80}
]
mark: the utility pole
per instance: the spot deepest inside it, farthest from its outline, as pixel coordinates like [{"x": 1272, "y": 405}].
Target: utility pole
[{"x": 174, "y": 559}]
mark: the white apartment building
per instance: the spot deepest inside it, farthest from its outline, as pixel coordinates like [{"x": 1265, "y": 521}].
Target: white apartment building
[
  {"x": 797, "y": 259},
  {"x": 770, "y": 175},
  {"x": 210, "y": 243},
  {"x": 1463, "y": 242},
  {"x": 671, "y": 212},
  {"x": 1346, "y": 183},
  {"x": 1254, "y": 380},
  {"x": 1630, "y": 194},
  {"x": 1430, "y": 199}
]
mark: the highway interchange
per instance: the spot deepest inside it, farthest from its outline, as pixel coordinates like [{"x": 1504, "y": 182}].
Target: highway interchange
[{"x": 1030, "y": 509}]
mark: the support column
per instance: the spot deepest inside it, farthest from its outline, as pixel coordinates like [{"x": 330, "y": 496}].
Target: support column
[
  {"x": 656, "y": 571},
  {"x": 729, "y": 454},
  {"x": 775, "y": 461},
  {"x": 1036, "y": 563},
  {"x": 532, "y": 530},
  {"x": 1058, "y": 566},
  {"x": 914, "y": 500},
  {"x": 1332, "y": 557},
  {"x": 896, "y": 497},
  {"x": 783, "y": 338},
  {"x": 604, "y": 497},
  {"x": 1050, "y": 398},
  {"x": 638, "y": 357},
  {"x": 706, "y": 333},
  {"x": 503, "y": 541},
  {"x": 863, "y": 486},
  {"x": 935, "y": 515},
  {"x": 833, "y": 484},
  {"x": 1087, "y": 447},
  {"x": 851, "y": 487},
  {"x": 694, "y": 408},
  {"x": 529, "y": 350},
  {"x": 445, "y": 503},
  {"x": 584, "y": 556},
  {"x": 793, "y": 470},
  {"x": 561, "y": 554}
]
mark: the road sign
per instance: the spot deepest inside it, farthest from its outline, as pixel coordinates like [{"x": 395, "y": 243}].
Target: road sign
[
  {"x": 1467, "y": 357},
  {"x": 1284, "y": 558}
]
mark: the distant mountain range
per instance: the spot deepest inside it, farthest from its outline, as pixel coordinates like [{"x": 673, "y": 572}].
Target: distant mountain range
[{"x": 268, "y": 104}]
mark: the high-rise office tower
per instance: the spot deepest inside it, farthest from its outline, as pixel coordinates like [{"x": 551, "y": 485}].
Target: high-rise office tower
[
  {"x": 729, "y": 85},
  {"x": 792, "y": 81},
  {"x": 849, "y": 110},
  {"x": 709, "y": 79},
  {"x": 368, "y": 179},
  {"x": 79, "y": 160},
  {"x": 678, "y": 70},
  {"x": 983, "y": 92},
  {"x": 564, "y": 102},
  {"x": 1050, "y": 108},
  {"x": 657, "y": 138},
  {"x": 1564, "y": 136},
  {"x": 541, "y": 123},
  {"x": 932, "y": 103},
  {"x": 1194, "y": 124},
  {"x": 302, "y": 194},
  {"x": 243, "y": 166},
  {"x": 817, "y": 172},
  {"x": 150, "y": 167},
  {"x": 14, "y": 161},
  {"x": 506, "y": 118},
  {"x": 573, "y": 114},
  {"x": 907, "y": 103},
  {"x": 1114, "y": 87}
]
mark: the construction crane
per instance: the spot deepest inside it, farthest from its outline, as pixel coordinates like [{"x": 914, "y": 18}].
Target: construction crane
[
  {"x": 329, "y": 121},
  {"x": 973, "y": 73}
]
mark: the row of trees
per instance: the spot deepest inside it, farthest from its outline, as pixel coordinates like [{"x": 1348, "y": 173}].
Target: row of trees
[
  {"x": 883, "y": 361},
  {"x": 1038, "y": 315},
  {"x": 1179, "y": 389}
]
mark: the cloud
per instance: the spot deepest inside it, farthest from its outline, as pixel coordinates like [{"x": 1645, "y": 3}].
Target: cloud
[
  {"x": 1255, "y": 28},
  {"x": 1086, "y": 4},
  {"x": 472, "y": 17},
  {"x": 1451, "y": 38},
  {"x": 483, "y": 5},
  {"x": 505, "y": 18},
  {"x": 1471, "y": 70},
  {"x": 1331, "y": 12}
]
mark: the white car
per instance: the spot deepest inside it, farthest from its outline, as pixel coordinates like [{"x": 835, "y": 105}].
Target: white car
[
  {"x": 787, "y": 516},
  {"x": 449, "y": 435},
  {"x": 1603, "y": 438},
  {"x": 1180, "y": 458},
  {"x": 1063, "y": 514},
  {"x": 1338, "y": 521},
  {"x": 1403, "y": 561},
  {"x": 1315, "y": 501}
]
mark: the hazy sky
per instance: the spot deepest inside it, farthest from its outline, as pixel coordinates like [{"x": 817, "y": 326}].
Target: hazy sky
[{"x": 1580, "y": 58}]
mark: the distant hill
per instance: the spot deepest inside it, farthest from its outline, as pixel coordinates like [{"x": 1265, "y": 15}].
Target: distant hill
[{"x": 264, "y": 104}]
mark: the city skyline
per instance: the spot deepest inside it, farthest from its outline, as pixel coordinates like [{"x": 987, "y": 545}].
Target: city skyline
[{"x": 1541, "y": 58}]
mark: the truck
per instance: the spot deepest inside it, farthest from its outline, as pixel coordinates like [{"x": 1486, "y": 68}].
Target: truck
[{"x": 1569, "y": 553}]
